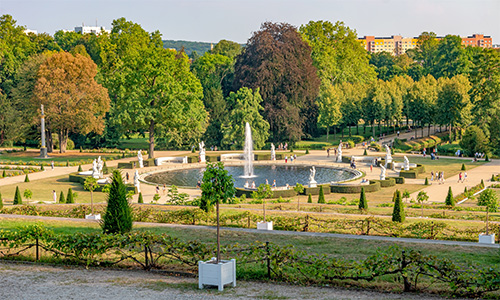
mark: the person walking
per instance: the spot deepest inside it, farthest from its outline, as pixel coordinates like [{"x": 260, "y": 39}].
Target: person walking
[
  {"x": 54, "y": 196},
  {"x": 465, "y": 176},
  {"x": 52, "y": 165},
  {"x": 432, "y": 175},
  {"x": 371, "y": 168},
  {"x": 460, "y": 177}
]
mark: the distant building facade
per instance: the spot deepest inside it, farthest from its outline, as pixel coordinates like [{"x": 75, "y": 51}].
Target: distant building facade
[
  {"x": 397, "y": 44},
  {"x": 91, "y": 29},
  {"x": 26, "y": 31}
]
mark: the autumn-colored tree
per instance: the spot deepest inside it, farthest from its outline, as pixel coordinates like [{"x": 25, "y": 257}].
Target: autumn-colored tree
[
  {"x": 278, "y": 61},
  {"x": 73, "y": 100}
]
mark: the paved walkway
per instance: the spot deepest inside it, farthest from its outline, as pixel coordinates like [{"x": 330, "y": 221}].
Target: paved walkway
[{"x": 279, "y": 232}]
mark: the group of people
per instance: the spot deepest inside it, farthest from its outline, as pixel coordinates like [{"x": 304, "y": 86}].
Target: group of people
[
  {"x": 253, "y": 186},
  {"x": 164, "y": 188},
  {"x": 439, "y": 176},
  {"x": 462, "y": 177},
  {"x": 292, "y": 158},
  {"x": 282, "y": 147}
]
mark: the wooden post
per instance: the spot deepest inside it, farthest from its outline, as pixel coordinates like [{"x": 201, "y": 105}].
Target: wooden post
[
  {"x": 37, "y": 253},
  {"x": 268, "y": 261}
]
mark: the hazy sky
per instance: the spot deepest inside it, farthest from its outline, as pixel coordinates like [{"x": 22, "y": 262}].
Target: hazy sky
[{"x": 213, "y": 20}]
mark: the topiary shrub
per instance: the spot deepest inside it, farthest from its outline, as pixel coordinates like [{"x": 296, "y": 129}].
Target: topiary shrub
[
  {"x": 307, "y": 151},
  {"x": 398, "y": 213},
  {"x": 486, "y": 158},
  {"x": 140, "y": 200},
  {"x": 42, "y": 168},
  {"x": 62, "y": 199},
  {"x": 365, "y": 153},
  {"x": 1, "y": 201},
  {"x": 321, "y": 197},
  {"x": 67, "y": 163},
  {"x": 449, "y": 201},
  {"x": 26, "y": 179},
  {"x": 17, "y": 197},
  {"x": 426, "y": 181},
  {"x": 105, "y": 169},
  {"x": 363, "y": 204},
  {"x": 70, "y": 198},
  {"x": 80, "y": 168},
  {"x": 118, "y": 215},
  {"x": 309, "y": 199},
  {"x": 463, "y": 167},
  {"x": 482, "y": 184},
  {"x": 4, "y": 174}
]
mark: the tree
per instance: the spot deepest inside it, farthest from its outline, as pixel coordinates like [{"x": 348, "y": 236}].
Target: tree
[
  {"x": 227, "y": 48},
  {"x": 449, "y": 201},
  {"x": 329, "y": 106},
  {"x": 216, "y": 186},
  {"x": 278, "y": 61},
  {"x": 70, "y": 198},
  {"x": 426, "y": 51},
  {"x": 118, "y": 215},
  {"x": 451, "y": 57},
  {"x": 398, "y": 214},
  {"x": 1, "y": 201},
  {"x": 309, "y": 199},
  {"x": 140, "y": 199},
  {"x": 321, "y": 196},
  {"x": 262, "y": 193},
  {"x": 488, "y": 198},
  {"x": 363, "y": 204},
  {"x": 62, "y": 199},
  {"x": 73, "y": 100},
  {"x": 421, "y": 198},
  {"x": 17, "y": 197},
  {"x": 298, "y": 188},
  {"x": 91, "y": 184},
  {"x": 422, "y": 99},
  {"x": 26, "y": 178},
  {"x": 246, "y": 109},
  {"x": 474, "y": 141},
  {"x": 27, "y": 195},
  {"x": 406, "y": 195}
]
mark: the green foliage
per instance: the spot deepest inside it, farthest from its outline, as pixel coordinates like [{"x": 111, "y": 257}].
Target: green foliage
[
  {"x": 486, "y": 158},
  {"x": 365, "y": 153},
  {"x": 62, "y": 199},
  {"x": 42, "y": 168},
  {"x": 1, "y": 201},
  {"x": 28, "y": 194},
  {"x": 426, "y": 181},
  {"x": 321, "y": 196},
  {"x": 156, "y": 197},
  {"x": 216, "y": 187},
  {"x": 309, "y": 199},
  {"x": 80, "y": 168},
  {"x": 488, "y": 198},
  {"x": 363, "y": 203},
  {"x": 70, "y": 197},
  {"x": 398, "y": 213},
  {"x": 141, "y": 199},
  {"x": 188, "y": 46},
  {"x": 307, "y": 151},
  {"x": 17, "y": 197},
  {"x": 4, "y": 174},
  {"x": 67, "y": 163},
  {"x": 26, "y": 179},
  {"x": 118, "y": 215},
  {"x": 463, "y": 167},
  {"x": 474, "y": 141},
  {"x": 449, "y": 201},
  {"x": 482, "y": 183}
]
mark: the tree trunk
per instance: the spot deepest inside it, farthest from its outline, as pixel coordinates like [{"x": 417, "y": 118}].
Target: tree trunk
[
  {"x": 373, "y": 129},
  {"x": 429, "y": 131},
  {"x": 357, "y": 128},
  {"x": 327, "y": 132},
  {"x": 151, "y": 153},
  {"x": 63, "y": 140},
  {"x": 450, "y": 134},
  {"x": 487, "y": 219},
  {"x": 49, "y": 142}
]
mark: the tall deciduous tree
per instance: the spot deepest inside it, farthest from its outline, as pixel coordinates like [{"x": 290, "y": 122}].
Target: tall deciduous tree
[
  {"x": 73, "y": 100},
  {"x": 426, "y": 51},
  {"x": 247, "y": 107},
  {"x": 329, "y": 104},
  {"x": 278, "y": 61},
  {"x": 422, "y": 99},
  {"x": 451, "y": 58}
]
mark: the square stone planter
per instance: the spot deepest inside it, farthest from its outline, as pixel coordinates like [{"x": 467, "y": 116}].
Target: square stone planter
[
  {"x": 487, "y": 238},
  {"x": 265, "y": 225},
  {"x": 210, "y": 273},
  {"x": 93, "y": 217}
]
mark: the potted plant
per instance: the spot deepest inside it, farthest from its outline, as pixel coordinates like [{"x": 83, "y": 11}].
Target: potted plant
[
  {"x": 489, "y": 199},
  {"x": 91, "y": 184},
  {"x": 263, "y": 192},
  {"x": 217, "y": 186}
]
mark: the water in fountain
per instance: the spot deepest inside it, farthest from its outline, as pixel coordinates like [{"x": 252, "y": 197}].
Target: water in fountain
[{"x": 248, "y": 153}]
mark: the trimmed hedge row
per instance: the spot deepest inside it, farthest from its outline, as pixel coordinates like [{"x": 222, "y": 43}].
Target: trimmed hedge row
[
  {"x": 75, "y": 177},
  {"x": 353, "y": 189},
  {"x": 413, "y": 172},
  {"x": 385, "y": 183},
  {"x": 276, "y": 193},
  {"x": 315, "y": 190},
  {"x": 150, "y": 162},
  {"x": 399, "y": 180}
]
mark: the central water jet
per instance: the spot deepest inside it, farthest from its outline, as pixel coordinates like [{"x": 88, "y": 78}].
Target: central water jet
[{"x": 248, "y": 153}]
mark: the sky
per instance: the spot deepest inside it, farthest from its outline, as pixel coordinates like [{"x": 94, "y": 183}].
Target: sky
[{"x": 236, "y": 20}]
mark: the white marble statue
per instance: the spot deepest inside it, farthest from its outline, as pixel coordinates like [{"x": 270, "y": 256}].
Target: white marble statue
[
  {"x": 202, "y": 151},
  {"x": 406, "y": 165},
  {"x": 95, "y": 170},
  {"x": 388, "y": 156},
  {"x": 339, "y": 153},
  {"x": 137, "y": 184},
  {"x": 273, "y": 152},
  {"x": 382, "y": 172},
  {"x": 312, "y": 182},
  {"x": 139, "y": 157},
  {"x": 100, "y": 165}
]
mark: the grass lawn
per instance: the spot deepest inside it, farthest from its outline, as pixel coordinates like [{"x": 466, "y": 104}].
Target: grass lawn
[{"x": 450, "y": 166}]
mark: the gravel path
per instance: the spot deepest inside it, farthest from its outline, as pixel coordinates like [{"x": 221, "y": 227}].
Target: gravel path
[{"x": 29, "y": 281}]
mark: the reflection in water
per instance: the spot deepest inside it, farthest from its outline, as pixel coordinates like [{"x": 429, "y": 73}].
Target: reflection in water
[{"x": 283, "y": 174}]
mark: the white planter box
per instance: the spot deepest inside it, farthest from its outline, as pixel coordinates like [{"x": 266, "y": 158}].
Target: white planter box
[
  {"x": 265, "y": 225},
  {"x": 93, "y": 217},
  {"x": 219, "y": 274},
  {"x": 487, "y": 238}
]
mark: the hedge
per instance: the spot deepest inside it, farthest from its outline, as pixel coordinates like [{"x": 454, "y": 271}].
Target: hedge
[
  {"x": 150, "y": 162},
  {"x": 276, "y": 193},
  {"x": 399, "y": 180},
  {"x": 413, "y": 172},
  {"x": 385, "y": 183},
  {"x": 315, "y": 190},
  {"x": 354, "y": 189},
  {"x": 75, "y": 177}
]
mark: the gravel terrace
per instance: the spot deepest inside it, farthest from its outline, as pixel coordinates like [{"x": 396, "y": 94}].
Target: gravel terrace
[{"x": 30, "y": 281}]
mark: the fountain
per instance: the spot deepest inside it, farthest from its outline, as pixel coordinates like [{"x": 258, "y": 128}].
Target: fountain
[{"x": 248, "y": 153}]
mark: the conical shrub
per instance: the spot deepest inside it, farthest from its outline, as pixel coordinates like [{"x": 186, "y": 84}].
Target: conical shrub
[
  {"x": 62, "y": 199},
  {"x": 1, "y": 201},
  {"x": 450, "y": 201},
  {"x": 321, "y": 197},
  {"x": 4, "y": 174},
  {"x": 42, "y": 168},
  {"x": 17, "y": 197},
  {"x": 118, "y": 215},
  {"x": 141, "y": 200},
  {"x": 105, "y": 169},
  {"x": 307, "y": 151},
  {"x": 486, "y": 158},
  {"x": 482, "y": 184},
  {"x": 426, "y": 181},
  {"x": 363, "y": 204},
  {"x": 309, "y": 199},
  {"x": 398, "y": 214},
  {"x": 365, "y": 153},
  {"x": 463, "y": 167},
  {"x": 26, "y": 179},
  {"x": 67, "y": 163},
  {"x": 80, "y": 168},
  {"x": 70, "y": 198}
]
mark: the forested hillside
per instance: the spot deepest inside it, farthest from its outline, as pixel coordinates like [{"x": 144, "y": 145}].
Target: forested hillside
[{"x": 189, "y": 47}]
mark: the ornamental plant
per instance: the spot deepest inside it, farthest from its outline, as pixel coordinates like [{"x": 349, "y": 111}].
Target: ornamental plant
[
  {"x": 426, "y": 181},
  {"x": 80, "y": 168},
  {"x": 363, "y": 204},
  {"x": 321, "y": 196},
  {"x": 449, "y": 201},
  {"x": 62, "y": 199},
  {"x": 463, "y": 167},
  {"x": 298, "y": 188},
  {"x": 91, "y": 184},
  {"x": 398, "y": 214},
  {"x": 70, "y": 198},
  {"x": 28, "y": 194},
  {"x": 1, "y": 201},
  {"x": 118, "y": 215},
  {"x": 26, "y": 179},
  {"x": 489, "y": 199},
  {"x": 140, "y": 200},
  {"x": 17, "y": 197},
  {"x": 309, "y": 199}
]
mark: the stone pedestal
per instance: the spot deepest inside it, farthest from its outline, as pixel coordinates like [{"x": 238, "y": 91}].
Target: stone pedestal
[
  {"x": 93, "y": 217},
  {"x": 43, "y": 152},
  {"x": 313, "y": 183},
  {"x": 202, "y": 157},
  {"x": 487, "y": 238},
  {"x": 265, "y": 225},
  {"x": 210, "y": 273}
]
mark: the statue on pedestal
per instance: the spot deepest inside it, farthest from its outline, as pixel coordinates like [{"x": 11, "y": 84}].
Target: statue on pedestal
[
  {"x": 95, "y": 170},
  {"x": 406, "y": 165},
  {"x": 382, "y": 172},
  {"x": 339, "y": 153},
  {"x": 137, "y": 184},
  {"x": 312, "y": 182},
  {"x": 273, "y": 152},
  {"x": 388, "y": 156},
  {"x": 202, "y": 151},
  {"x": 139, "y": 157},
  {"x": 100, "y": 164}
]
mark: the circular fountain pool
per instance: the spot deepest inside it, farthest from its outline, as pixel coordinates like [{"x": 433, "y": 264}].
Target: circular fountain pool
[{"x": 283, "y": 174}]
